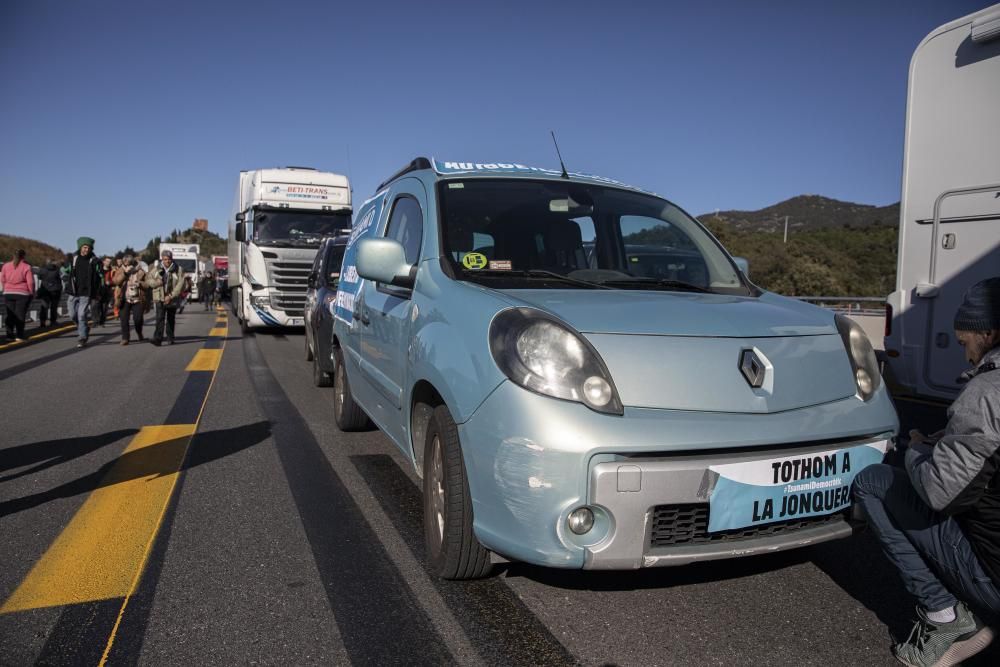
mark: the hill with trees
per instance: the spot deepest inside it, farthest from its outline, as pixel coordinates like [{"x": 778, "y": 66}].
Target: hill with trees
[
  {"x": 209, "y": 242},
  {"x": 834, "y": 248},
  {"x": 36, "y": 253}
]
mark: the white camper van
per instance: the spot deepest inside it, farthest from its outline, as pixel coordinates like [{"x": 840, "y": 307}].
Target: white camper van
[
  {"x": 279, "y": 219},
  {"x": 949, "y": 227}
]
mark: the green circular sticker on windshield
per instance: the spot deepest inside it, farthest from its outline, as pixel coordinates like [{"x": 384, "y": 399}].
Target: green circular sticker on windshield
[{"x": 474, "y": 261}]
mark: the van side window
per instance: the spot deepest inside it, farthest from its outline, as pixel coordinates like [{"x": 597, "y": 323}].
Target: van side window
[
  {"x": 334, "y": 258},
  {"x": 407, "y": 226}
]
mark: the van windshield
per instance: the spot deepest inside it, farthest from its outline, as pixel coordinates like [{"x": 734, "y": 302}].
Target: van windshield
[
  {"x": 519, "y": 233},
  {"x": 298, "y": 228}
]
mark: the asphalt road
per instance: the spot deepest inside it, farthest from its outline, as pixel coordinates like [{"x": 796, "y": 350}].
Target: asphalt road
[{"x": 195, "y": 504}]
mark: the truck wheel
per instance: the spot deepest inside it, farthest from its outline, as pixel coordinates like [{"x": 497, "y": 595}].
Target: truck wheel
[
  {"x": 309, "y": 352},
  {"x": 320, "y": 377},
  {"x": 453, "y": 552},
  {"x": 348, "y": 415}
]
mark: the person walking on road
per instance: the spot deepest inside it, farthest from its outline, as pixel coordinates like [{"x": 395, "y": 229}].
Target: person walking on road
[
  {"x": 84, "y": 286},
  {"x": 166, "y": 281},
  {"x": 18, "y": 289},
  {"x": 129, "y": 282},
  {"x": 206, "y": 290},
  {"x": 116, "y": 290},
  {"x": 50, "y": 292},
  {"x": 939, "y": 518},
  {"x": 105, "y": 296}
]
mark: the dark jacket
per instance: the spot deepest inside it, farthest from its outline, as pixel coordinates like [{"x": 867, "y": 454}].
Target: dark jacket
[
  {"x": 51, "y": 278},
  {"x": 95, "y": 273},
  {"x": 958, "y": 476}
]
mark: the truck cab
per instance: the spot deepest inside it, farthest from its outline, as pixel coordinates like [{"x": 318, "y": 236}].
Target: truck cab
[{"x": 280, "y": 217}]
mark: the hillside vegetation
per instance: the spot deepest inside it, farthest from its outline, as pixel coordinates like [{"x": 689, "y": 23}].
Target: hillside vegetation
[
  {"x": 210, "y": 243},
  {"x": 36, "y": 253},
  {"x": 834, "y": 248}
]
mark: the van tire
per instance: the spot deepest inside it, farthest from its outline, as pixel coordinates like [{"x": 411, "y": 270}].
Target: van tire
[
  {"x": 320, "y": 377},
  {"x": 348, "y": 414},
  {"x": 453, "y": 552}
]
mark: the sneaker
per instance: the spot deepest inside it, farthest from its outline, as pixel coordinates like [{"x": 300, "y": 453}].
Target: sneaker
[
  {"x": 81, "y": 343},
  {"x": 124, "y": 342},
  {"x": 156, "y": 342},
  {"x": 945, "y": 644}
]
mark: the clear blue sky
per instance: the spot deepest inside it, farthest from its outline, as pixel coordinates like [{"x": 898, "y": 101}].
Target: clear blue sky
[{"x": 123, "y": 120}]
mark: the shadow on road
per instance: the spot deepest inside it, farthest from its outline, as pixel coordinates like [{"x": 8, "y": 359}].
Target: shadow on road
[
  {"x": 655, "y": 578},
  {"x": 151, "y": 461},
  {"x": 50, "y": 453},
  {"x": 501, "y": 626}
]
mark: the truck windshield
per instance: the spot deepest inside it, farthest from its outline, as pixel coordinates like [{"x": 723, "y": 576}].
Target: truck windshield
[
  {"x": 297, "y": 228},
  {"x": 187, "y": 265},
  {"x": 518, "y": 233}
]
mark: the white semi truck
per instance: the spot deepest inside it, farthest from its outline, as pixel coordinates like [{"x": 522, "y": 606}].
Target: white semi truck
[
  {"x": 279, "y": 219},
  {"x": 949, "y": 226}
]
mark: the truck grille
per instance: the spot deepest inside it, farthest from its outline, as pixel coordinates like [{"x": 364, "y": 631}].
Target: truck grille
[
  {"x": 289, "y": 281},
  {"x": 681, "y": 525}
]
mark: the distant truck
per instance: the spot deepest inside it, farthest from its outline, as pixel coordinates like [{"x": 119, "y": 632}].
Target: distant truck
[
  {"x": 949, "y": 227},
  {"x": 220, "y": 264},
  {"x": 186, "y": 256},
  {"x": 279, "y": 219}
]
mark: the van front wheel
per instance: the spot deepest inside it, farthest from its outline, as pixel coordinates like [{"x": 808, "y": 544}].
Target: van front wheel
[
  {"x": 348, "y": 414},
  {"x": 453, "y": 551}
]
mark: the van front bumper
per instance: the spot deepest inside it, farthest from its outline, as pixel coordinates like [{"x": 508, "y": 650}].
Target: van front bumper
[{"x": 532, "y": 460}]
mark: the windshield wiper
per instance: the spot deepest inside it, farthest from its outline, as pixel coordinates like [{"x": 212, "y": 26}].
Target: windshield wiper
[
  {"x": 659, "y": 282},
  {"x": 538, "y": 273}
]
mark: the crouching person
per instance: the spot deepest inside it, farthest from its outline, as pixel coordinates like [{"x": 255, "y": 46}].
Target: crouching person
[{"x": 939, "y": 519}]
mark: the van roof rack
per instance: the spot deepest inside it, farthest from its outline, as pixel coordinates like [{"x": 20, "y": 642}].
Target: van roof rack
[
  {"x": 417, "y": 163},
  {"x": 302, "y": 168}
]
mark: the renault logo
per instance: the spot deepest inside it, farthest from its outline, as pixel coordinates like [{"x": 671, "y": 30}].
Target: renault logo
[{"x": 753, "y": 368}]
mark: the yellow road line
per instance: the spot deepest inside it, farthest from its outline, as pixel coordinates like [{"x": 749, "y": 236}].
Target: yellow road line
[
  {"x": 219, "y": 331},
  {"x": 40, "y": 336},
  {"x": 97, "y": 555},
  {"x": 205, "y": 360},
  {"x": 138, "y": 573}
]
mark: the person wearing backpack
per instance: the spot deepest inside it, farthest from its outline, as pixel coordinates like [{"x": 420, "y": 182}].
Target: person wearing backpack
[
  {"x": 84, "y": 286},
  {"x": 50, "y": 292},
  {"x": 129, "y": 281}
]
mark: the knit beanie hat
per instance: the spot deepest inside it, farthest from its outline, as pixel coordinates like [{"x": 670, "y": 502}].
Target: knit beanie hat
[
  {"x": 980, "y": 309},
  {"x": 84, "y": 240}
]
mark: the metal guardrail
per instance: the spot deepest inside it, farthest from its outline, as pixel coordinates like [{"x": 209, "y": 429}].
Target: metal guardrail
[
  {"x": 849, "y": 305},
  {"x": 33, "y": 307}
]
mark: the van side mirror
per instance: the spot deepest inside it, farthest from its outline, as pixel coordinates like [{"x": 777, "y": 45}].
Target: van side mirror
[
  {"x": 384, "y": 261},
  {"x": 311, "y": 280},
  {"x": 241, "y": 231},
  {"x": 241, "y": 217},
  {"x": 743, "y": 265}
]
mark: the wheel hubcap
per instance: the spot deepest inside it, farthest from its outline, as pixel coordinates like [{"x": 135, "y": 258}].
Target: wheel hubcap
[{"x": 437, "y": 489}]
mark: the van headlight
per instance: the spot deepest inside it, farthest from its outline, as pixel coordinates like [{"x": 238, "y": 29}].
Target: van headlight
[
  {"x": 542, "y": 354},
  {"x": 862, "y": 356},
  {"x": 261, "y": 301}
]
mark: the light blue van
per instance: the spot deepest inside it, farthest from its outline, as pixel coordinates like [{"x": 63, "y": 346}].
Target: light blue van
[{"x": 584, "y": 378}]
